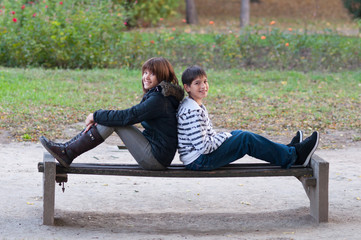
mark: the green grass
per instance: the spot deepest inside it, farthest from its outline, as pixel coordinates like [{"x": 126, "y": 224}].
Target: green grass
[{"x": 34, "y": 102}]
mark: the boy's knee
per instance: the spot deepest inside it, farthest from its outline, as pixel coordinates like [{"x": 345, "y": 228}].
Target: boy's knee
[
  {"x": 248, "y": 137},
  {"x": 247, "y": 134}
]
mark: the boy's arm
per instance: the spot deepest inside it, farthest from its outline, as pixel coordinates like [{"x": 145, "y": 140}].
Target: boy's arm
[{"x": 199, "y": 132}]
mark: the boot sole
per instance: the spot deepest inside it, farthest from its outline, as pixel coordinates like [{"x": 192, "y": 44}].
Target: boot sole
[
  {"x": 58, "y": 158},
  {"x": 311, "y": 153}
]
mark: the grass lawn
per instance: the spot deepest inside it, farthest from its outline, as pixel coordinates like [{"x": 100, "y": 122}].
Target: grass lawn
[{"x": 34, "y": 102}]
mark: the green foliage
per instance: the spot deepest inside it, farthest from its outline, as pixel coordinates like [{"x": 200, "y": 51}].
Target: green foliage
[
  {"x": 92, "y": 34},
  {"x": 69, "y": 34},
  {"x": 147, "y": 13},
  {"x": 59, "y": 34},
  {"x": 354, "y": 7}
]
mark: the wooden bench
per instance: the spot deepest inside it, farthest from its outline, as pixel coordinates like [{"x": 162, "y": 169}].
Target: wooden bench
[{"x": 313, "y": 178}]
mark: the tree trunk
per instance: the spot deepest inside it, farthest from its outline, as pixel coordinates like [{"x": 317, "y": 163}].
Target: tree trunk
[
  {"x": 245, "y": 9},
  {"x": 191, "y": 12}
]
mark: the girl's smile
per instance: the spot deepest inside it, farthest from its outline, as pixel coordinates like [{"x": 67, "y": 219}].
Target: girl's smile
[{"x": 149, "y": 80}]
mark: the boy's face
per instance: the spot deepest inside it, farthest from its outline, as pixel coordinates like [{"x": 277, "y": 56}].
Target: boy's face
[{"x": 198, "y": 89}]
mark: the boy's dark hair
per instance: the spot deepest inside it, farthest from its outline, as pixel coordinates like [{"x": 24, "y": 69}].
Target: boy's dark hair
[{"x": 191, "y": 73}]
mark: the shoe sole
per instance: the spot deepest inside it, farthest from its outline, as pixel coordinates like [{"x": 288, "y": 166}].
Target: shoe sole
[
  {"x": 301, "y": 135},
  {"x": 58, "y": 158},
  {"x": 312, "y": 151}
]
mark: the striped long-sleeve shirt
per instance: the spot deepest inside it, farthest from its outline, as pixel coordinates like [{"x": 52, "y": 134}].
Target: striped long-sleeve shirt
[{"x": 196, "y": 135}]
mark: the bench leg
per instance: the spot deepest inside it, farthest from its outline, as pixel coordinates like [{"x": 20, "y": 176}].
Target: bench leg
[
  {"x": 48, "y": 189},
  {"x": 317, "y": 189}
]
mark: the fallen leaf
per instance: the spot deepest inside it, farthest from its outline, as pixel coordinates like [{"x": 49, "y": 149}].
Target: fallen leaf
[{"x": 29, "y": 203}]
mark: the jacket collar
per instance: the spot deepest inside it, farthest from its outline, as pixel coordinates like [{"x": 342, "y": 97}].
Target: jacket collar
[{"x": 169, "y": 89}]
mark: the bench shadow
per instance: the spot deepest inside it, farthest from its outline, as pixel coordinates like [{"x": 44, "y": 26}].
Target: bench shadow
[{"x": 190, "y": 223}]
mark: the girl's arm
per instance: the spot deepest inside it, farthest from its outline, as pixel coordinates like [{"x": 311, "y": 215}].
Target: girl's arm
[{"x": 151, "y": 108}]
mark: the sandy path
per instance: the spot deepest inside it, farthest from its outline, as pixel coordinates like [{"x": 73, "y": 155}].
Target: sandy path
[{"x": 106, "y": 207}]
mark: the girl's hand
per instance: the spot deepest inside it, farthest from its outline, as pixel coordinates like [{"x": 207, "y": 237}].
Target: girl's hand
[{"x": 89, "y": 122}]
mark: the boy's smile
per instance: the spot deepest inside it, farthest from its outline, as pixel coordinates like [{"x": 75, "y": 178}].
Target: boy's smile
[{"x": 198, "y": 89}]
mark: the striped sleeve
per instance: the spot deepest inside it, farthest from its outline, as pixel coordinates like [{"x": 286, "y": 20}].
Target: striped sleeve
[{"x": 195, "y": 133}]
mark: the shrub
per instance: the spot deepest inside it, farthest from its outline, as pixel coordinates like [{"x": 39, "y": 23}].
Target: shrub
[
  {"x": 82, "y": 34},
  {"x": 147, "y": 13},
  {"x": 354, "y": 7},
  {"x": 59, "y": 34}
]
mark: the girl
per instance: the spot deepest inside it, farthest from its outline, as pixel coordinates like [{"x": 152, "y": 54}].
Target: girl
[{"x": 155, "y": 147}]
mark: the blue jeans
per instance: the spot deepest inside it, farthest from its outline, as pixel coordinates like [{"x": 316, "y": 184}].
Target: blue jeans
[{"x": 242, "y": 143}]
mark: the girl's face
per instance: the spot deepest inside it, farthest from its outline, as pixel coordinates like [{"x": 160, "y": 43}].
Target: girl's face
[
  {"x": 198, "y": 89},
  {"x": 149, "y": 80}
]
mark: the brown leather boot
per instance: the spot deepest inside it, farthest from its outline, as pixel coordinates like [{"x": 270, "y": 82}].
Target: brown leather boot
[{"x": 65, "y": 153}]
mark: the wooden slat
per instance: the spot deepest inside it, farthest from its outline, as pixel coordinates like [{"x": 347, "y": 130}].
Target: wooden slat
[{"x": 177, "y": 170}]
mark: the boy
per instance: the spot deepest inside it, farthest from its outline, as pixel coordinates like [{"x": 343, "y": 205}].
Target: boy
[{"x": 201, "y": 148}]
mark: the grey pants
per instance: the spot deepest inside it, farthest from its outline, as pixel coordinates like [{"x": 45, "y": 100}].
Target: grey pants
[{"x": 136, "y": 144}]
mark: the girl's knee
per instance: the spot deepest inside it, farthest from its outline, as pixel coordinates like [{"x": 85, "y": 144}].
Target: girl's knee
[{"x": 104, "y": 131}]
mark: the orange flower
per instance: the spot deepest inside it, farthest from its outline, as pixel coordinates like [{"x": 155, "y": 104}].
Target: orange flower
[
  {"x": 152, "y": 42},
  {"x": 161, "y": 19},
  {"x": 287, "y": 44},
  {"x": 272, "y": 22},
  {"x": 211, "y": 22},
  {"x": 263, "y": 37},
  {"x": 183, "y": 20},
  {"x": 173, "y": 29},
  {"x": 290, "y": 29}
]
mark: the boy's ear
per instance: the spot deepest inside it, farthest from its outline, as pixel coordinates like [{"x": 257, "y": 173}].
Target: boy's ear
[{"x": 186, "y": 88}]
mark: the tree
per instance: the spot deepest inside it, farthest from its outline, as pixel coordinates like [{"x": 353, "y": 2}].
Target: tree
[
  {"x": 191, "y": 12},
  {"x": 245, "y": 9}
]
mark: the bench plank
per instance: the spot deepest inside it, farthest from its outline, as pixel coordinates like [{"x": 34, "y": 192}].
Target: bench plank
[{"x": 177, "y": 170}]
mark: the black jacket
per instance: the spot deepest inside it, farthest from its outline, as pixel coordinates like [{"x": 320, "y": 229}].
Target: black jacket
[{"x": 157, "y": 114}]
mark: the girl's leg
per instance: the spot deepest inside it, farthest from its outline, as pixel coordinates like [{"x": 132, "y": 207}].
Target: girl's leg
[
  {"x": 242, "y": 143},
  {"x": 65, "y": 153},
  {"x": 136, "y": 143}
]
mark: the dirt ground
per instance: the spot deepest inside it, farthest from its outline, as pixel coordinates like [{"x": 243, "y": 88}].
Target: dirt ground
[{"x": 113, "y": 207}]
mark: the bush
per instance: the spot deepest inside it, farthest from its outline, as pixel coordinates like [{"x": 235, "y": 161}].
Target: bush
[
  {"x": 80, "y": 34},
  {"x": 354, "y": 7},
  {"x": 59, "y": 34},
  {"x": 147, "y": 13},
  {"x": 70, "y": 34}
]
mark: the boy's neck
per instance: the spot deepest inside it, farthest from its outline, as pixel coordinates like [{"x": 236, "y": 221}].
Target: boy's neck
[{"x": 199, "y": 101}]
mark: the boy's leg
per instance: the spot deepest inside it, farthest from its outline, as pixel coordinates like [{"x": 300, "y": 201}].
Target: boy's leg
[
  {"x": 242, "y": 143},
  {"x": 139, "y": 147}
]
